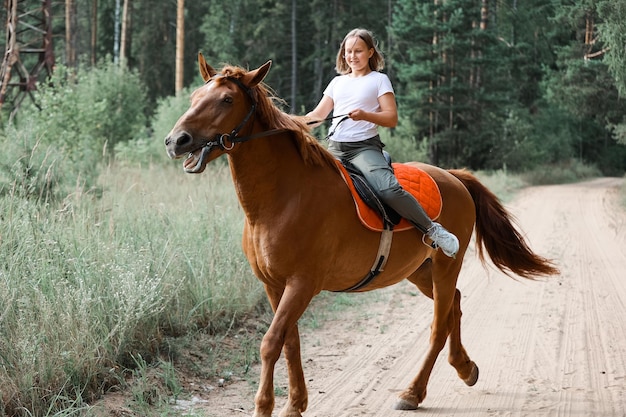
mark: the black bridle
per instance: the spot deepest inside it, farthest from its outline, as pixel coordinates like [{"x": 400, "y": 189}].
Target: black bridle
[{"x": 227, "y": 141}]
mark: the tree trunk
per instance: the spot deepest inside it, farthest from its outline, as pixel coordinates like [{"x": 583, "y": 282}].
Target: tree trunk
[
  {"x": 589, "y": 33},
  {"x": 116, "y": 33},
  {"x": 124, "y": 33},
  {"x": 94, "y": 32},
  {"x": 11, "y": 55},
  {"x": 180, "y": 45},
  {"x": 70, "y": 33},
  {"x": 484, "y": 20},
  {"x": 433, "y": 115}
]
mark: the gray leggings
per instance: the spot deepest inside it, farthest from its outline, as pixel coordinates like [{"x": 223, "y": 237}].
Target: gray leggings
[{"x": 368, "y": 157}]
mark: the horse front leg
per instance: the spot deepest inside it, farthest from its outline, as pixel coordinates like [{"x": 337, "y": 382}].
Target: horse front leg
[
  {"x": 288, "y": 306},
  {"x": 298, "y": 395}
]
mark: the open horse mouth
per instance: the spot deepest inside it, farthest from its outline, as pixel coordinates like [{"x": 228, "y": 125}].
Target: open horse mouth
[
  {"x": 196, "y": 160},
  {"x": 193, "y": 162},
  {"x": 192, "y": 159}
]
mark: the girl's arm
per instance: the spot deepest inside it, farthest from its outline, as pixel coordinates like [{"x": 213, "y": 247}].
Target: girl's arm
[{"x": 321, "y": 111}]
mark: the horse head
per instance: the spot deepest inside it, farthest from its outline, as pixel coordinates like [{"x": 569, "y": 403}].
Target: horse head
[{"x": 220, "y": 111}]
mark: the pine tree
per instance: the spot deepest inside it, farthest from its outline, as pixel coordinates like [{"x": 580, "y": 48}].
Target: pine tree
[
  {"x": 450, "y": 69},
  {"x": 612, "y": 32}
]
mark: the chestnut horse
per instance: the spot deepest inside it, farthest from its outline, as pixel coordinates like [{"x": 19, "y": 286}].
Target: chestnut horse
[{"x": 302, "y": 234}]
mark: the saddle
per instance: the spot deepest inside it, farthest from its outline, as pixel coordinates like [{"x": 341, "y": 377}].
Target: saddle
[{"x": 376, "y": 215}]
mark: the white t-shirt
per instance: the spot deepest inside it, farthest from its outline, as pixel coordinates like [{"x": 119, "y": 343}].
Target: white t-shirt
[{"x": 349, "y": 94}]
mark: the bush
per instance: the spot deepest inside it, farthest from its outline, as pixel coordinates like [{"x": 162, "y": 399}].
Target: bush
[
  {"x": 531, "y": 140},
  {"x": 404, "y": 149},
  {"x": 150, "y": 148},
  {"x": 402, "y": 144},
  {"x": 561, "y": 173},
  {"x": 83, "y": 117}
]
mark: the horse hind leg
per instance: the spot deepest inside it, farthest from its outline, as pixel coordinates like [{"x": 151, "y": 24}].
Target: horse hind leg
[
  {"x": 446, "y": 323},
  {"x": 458, "y": 357}
]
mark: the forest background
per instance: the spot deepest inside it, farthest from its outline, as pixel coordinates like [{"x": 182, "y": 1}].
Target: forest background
[
  {"x": 484, "y": 84},
  {"x": 101, "y": 270}
]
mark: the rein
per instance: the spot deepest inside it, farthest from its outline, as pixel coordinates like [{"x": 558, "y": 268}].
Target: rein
[{"x": 327, "y": 119}]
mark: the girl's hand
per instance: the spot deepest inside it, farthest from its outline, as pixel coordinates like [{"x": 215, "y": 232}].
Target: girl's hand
[
  {"x": 358, "y": 114},
  {"x": 387, "y": 116}
]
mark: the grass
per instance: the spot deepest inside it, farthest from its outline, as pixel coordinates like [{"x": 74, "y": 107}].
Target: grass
[
  {"x": 89, "y": 286},
  {"x": 562, "y": 173},
  {"x": 502, "y": 183}
]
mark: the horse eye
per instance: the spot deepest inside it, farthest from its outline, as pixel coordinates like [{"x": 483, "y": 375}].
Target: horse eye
[{"x": 228, "y": 100}]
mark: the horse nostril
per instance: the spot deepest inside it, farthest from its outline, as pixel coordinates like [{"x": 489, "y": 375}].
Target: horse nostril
[
  {"x": 183, "y": 139},
  {"x": 180, "y": 139}
]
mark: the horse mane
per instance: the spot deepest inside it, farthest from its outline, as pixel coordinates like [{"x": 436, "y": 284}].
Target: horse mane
[{"x": 269, "y": 114}]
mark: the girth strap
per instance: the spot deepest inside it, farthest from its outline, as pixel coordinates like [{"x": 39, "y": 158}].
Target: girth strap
[{"x": 380, "y": 261}]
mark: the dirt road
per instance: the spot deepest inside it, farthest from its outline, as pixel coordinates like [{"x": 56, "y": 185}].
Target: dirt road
[{"x": 545, "y": 348}]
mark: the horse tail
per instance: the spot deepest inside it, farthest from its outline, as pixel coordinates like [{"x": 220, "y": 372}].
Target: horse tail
[{"x": 497, "y": 233}]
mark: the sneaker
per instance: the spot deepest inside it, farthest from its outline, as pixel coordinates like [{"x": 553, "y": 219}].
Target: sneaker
[{"x": 443, "y": 239}]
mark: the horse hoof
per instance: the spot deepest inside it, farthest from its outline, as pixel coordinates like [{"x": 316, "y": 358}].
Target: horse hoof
[
  {"x": 473, "y": 378},
  {"x": 404, "y": 405}
]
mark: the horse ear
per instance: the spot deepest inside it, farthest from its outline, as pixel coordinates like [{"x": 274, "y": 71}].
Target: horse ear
[
  {"x": 206, "y": 70},
  {"x": 254, "y": 77}
]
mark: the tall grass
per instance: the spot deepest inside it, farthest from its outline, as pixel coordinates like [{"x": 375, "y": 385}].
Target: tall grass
[
  {"x": 502, "y": 183},
  {"x": 564, "y": 172},
  {"x": 88, "y": 285}
]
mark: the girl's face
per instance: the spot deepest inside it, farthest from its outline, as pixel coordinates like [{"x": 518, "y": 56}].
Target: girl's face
[{"x": 357, "y": 55}]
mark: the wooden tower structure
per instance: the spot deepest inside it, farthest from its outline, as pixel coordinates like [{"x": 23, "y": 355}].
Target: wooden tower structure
[{"x": 29, "y": 55}]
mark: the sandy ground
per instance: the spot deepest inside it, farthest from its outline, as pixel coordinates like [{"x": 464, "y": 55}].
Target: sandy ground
[{"x": 555, "y": 347}]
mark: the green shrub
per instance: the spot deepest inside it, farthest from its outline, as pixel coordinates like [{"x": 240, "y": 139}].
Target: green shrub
[
  {"x": 402, "y": 144},
  {"x": 561, "y": 173},
  {"x": 403, "y": 148},
  {"x": 149, "y": 148},
  {"x": 83, "y": 116},
  {"x": 502, "y": 183},
  {"x": 531, "y": 140}
]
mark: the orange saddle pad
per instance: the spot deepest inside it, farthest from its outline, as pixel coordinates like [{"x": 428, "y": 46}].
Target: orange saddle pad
[{"x": 414, "y": 180}]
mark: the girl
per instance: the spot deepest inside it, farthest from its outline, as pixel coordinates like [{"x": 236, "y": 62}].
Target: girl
[{"x": 367, "y": 97}]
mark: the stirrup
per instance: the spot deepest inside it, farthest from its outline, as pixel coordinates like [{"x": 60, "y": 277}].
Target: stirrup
[{"x": 432, "y": 244}]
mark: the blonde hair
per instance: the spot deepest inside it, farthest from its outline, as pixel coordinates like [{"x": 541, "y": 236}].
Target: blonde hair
[{"x": 376, "y": 62}]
